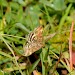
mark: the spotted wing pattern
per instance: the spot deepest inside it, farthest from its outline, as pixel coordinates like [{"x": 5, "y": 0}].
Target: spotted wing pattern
[{"x": 35, "y": 41}]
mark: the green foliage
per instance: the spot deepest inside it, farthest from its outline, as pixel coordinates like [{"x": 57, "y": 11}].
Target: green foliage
[
  {"x": 57, "y": 5},
  {"x": 1, "y": 72},
  {"x": 18, "y": 18}
]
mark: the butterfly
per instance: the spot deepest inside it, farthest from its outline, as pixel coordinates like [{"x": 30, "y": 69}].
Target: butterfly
[{"x": 34, "y": 41}]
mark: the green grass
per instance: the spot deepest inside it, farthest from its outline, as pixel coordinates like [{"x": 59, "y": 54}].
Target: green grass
[{"x": 18, "y": 18}]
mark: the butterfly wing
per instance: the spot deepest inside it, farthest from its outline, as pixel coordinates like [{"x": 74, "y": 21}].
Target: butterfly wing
[
  {"x": 32, "y": 47},
  {"x": 35, "y": 41}
]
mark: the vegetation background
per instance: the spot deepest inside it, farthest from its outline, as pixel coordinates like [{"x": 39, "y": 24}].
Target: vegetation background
[{"x": 18, "y": 18}]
